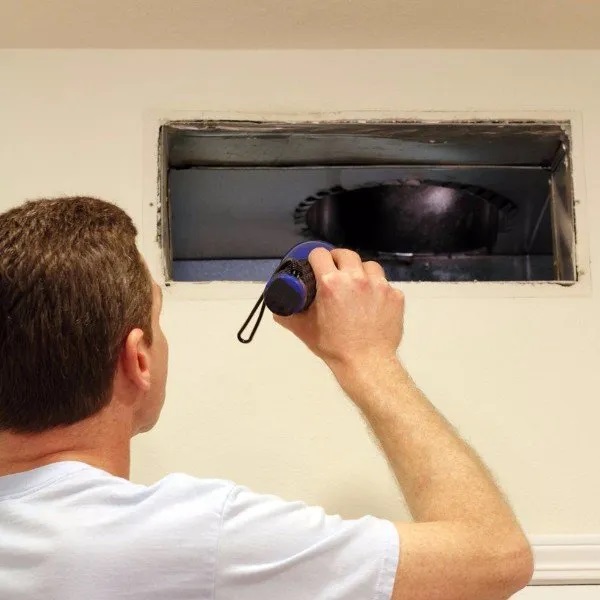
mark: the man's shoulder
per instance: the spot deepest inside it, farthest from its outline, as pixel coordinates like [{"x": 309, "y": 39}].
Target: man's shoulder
[
  {"x": 172, "y": 525},
  {"x": 178, "y": 482},
  {"x": 184, "y": 489},
  {"x": 175, "y": 488},
  {"x": 183, "y": 498}
]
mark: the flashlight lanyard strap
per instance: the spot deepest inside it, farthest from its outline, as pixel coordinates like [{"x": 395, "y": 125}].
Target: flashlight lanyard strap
[{"x": 260, "y": 304}]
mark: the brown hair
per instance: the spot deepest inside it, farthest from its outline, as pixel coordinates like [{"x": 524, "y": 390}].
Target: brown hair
[{"x": 72, "y": 286}]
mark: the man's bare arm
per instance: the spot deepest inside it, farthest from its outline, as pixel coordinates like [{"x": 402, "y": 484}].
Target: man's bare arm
[{"x": 466, "y": 543}]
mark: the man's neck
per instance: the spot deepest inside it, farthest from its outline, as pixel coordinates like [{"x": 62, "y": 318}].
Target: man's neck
[{"x": 102, "y": 441}]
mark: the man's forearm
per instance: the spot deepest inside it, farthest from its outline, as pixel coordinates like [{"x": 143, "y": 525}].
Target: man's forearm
[{"x": 440, "y": 475}]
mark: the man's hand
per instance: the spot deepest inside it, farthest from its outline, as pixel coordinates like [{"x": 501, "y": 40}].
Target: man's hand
[{"x": 357, "y": 317}]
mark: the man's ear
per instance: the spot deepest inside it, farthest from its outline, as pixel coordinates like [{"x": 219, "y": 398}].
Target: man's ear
[{"x": 135, "y": 360}]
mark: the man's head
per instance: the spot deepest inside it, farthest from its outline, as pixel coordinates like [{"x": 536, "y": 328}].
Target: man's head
[{"x": 79, "y": 315}]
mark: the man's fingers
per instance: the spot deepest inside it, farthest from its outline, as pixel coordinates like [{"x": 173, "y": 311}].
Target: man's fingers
[
  {"x": 374, "y": 270},
  {"x": 293, "y": 323},
  {"x": 346, "y": 260},
  {"x": 321, "y": 262},
  {"x": 285, "y": 322}
]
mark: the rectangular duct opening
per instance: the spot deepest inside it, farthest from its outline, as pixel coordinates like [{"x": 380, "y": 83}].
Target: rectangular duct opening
[{"x": 452, "y": 201}]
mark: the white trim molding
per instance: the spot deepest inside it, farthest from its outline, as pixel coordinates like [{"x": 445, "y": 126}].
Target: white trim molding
[{"x": 566, "y": 559}]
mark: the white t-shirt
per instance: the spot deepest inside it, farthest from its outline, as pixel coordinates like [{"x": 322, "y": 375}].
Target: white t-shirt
[{"x": 69, "y": 531}]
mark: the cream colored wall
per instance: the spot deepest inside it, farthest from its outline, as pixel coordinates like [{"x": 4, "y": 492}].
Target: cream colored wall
[
  {"x": 572, "y": 592},
  {"x": 516, "y": 368},
  {"x": 281, "y": 24}
]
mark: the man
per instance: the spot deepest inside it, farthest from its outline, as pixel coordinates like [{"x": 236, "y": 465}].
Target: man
[{"x": 83, "y": 369}]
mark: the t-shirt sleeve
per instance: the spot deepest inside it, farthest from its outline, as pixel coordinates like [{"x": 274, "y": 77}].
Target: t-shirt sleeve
[{"x": 270, "y": 549}]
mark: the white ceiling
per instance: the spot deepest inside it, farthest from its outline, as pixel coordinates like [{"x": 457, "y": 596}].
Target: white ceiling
[{"x": 254, "y": 24}]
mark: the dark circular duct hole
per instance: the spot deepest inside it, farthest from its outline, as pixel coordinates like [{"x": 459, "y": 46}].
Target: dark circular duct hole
[{"x": 409, "y": 217}]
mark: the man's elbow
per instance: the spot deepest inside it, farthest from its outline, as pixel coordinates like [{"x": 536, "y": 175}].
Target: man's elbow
[
  {"x": 517, "y": 565},
  {"x": 524, "y": 564}
]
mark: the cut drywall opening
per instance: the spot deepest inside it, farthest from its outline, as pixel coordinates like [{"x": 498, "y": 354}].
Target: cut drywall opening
[{"x": 453, "y": 201}]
